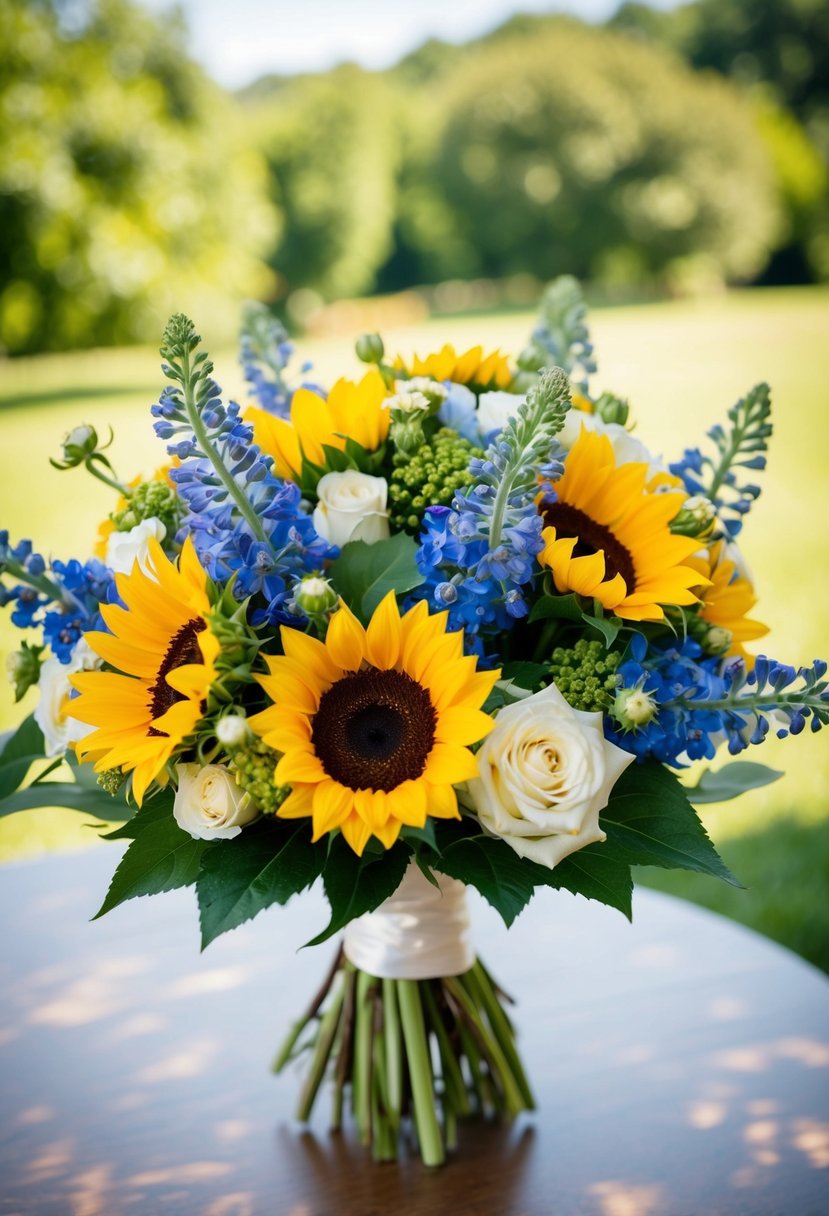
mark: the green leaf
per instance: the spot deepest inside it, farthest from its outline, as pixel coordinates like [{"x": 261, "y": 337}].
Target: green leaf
[
  {"x": 158, "y": 808},
  {"x": 20, "y": 749},
  {"x": 525, "y": 674},
  {"x": 594, "y": 873},
  {"x": 650, "y": 822},
  {"x": 730, "y": 781},
  {"x": 607, "y": 627},
  {"x": 267, "y": 864},
  {"x": 559, "y": 607},
  {"x": 504, "y": 879},
  {"x": 425, "y": 835},
  {"x": 65, "y": 794},
  {"x": 161, "y": 857},
  {"x": 356, "y": 885},
  {"x": 363, "y": 574}
]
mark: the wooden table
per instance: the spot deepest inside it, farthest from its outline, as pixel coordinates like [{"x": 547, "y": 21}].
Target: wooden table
[{"x": 681, "y": 1065}]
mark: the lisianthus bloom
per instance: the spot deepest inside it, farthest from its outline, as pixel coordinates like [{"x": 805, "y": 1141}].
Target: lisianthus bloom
[
  {"x": 351, "y": 410},
  {"x": 726, "y": 600},
  {"x": 374, "y": 723},
  {"x": 608, "y": 536},
  {"x": 473, "y": 367},
  {"x": 164, "y": 650}
]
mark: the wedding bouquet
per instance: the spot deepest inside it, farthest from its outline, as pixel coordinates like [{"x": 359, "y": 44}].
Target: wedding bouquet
[{"x": 447, "y": 625}]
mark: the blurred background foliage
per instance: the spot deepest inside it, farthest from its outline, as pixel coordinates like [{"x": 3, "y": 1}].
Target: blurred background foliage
[{"x": 667, "y": 152}]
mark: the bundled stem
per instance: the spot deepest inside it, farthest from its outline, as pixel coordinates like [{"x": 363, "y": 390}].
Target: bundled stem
[{"x": 430, "y": 1051}]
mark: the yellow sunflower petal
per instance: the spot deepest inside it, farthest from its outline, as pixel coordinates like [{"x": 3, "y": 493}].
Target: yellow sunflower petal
[
  {"x": 463, "y": 726},
  {"x": 356, "y": 832},
  {"x": 448, "y": 764},
  {"x": 383, "y": 634},
  {"x": 346, "y": 639}
]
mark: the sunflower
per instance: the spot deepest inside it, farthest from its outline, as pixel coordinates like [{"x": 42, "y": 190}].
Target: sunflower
[
  {"x": 474, "y": 368},
  {"x": 727, "y": 599},
  {"x": 162, "y": 643},
  {"x": 353, "y": 410},
  {"x": 374, "y": 723},
  {"x": 608, "y": 536}
]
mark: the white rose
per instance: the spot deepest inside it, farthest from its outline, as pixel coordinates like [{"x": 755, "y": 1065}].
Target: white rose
[
  {"x": 124, "y": 549},
  {"x": 352, "y": 506},
  {"x": 544, "y": 774},
  {"x": 495, "y": 410},
  {"x": 52, "y": 714},
  {"x": 209, "y": 804}
]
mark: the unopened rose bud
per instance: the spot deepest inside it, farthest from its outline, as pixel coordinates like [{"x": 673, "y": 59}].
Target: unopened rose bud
[
  {"x": 370, "y": 348},
  {"x": 232, "y": 730},
  {"x": 78, "y": 444}
]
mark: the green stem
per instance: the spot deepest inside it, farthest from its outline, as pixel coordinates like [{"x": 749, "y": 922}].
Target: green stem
[
  {"x": 361, "y": 1081},
  {"x": 512, "y": 1094},
  {"x": 481, "y": 990},
  {"x": 50, "y": 768},
  {"x": 543, "y": 648},
  {"x": 322, "y": 1051},
  {"x": 39, "y": 582},
  {"x": 420, "y": 1072},
  {"x": 394, "y": 1058},
  {"x": 480, "y": 1083},
  {"x": 454, "y": 1085},
  {"x": 112, "y": 482},
  {"x": 203, "y": 439}
]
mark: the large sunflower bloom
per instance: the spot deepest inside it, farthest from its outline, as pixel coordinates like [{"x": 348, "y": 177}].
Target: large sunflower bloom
[
  {"x": 473, "y": 367},
  {"x": 374, "y": 723},
  {"x": 351, "y": 410},
  {"x": 608, "y": 537},
  {"x": 164, "y": 651},
  {"x": 727, "y": 600}
]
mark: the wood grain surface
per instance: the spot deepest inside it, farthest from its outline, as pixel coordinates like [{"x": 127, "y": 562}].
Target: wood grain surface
[{"x": 681, "y": 1065}]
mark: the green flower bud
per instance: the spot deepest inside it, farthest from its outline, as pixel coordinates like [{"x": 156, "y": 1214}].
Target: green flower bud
[
  {"x": 370, "y": 348},
  {"x": 23, "y": 668},
  {"x": 80, "y": 443},
  {"x": 532, "y": 359},
  {"x": 717, "y": 640},
  {"x": 315, "y": 596},
  {"x": 232, "y": 730},
  {"x": 111, "y": 780},
  {"x": 611, "y": 408},
  {"x": 696, "y": 517},
  {"x": 633, "y": 708}
]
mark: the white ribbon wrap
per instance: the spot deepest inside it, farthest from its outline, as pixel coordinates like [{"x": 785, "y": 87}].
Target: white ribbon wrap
[{"x": 421, "y": 932}]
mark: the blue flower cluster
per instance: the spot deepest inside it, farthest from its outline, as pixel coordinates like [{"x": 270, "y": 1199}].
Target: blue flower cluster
[
  {"x": 62, "y": 598},
  {"x": 479, "y": 555},
  {"x": 265, "y": 352},
  {"x": 244, "y": 522},
  {"x": 703, "y": 702}
]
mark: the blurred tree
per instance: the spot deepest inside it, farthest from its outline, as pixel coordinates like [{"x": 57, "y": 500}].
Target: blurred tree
[
  {"x": 126, "y": 190},
  {"x": 555, "y": 147},
  {"x": 331, "y": 144}
]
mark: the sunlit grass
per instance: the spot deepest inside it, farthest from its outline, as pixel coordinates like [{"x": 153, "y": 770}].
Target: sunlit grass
[{"x": 681, "y": 365}]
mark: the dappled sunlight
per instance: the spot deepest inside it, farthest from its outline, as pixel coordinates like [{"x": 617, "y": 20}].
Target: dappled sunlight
[
  {"x": 34, "y": 1115},
  {"x": 48, "y": 1162},
  {"x": 89, "y": 998},
  {"x": 181, "y": 1064},
  {"x": 180, "y": 1175},
  {"x": 705, "y": 1115},
  {"x": 811, "y": 1138},
  {"x": 201, "y": 983},
  {"x": 629, "y": 1199},
  {"x": 811, "y": 1053}
]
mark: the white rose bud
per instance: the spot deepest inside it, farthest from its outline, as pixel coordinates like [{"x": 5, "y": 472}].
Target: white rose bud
[
  {"x": 124, "y": 549},
  {"x": 352, "y": 506},
  {"x": 495, "y": 410},
  {"x": 544, "y": 774},
  {"x": 53, "y": 710},
  {"x": 209, "y": 805},
  {"x": 232, "y": 730}
]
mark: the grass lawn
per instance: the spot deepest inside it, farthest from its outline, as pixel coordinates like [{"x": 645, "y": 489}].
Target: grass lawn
[{"x": 682, "y": 365}]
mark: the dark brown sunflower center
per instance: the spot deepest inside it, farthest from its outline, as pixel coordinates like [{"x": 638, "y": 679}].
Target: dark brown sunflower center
[
  {"x": 183, "y": 649},
  {"x": 591, "y": 537},
  {"x": 374, "y": 729}
]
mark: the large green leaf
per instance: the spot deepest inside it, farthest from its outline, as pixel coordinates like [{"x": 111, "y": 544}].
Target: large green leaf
[
  {"x": 493, "y": 868},
  {"x": 594, "y": 873},
  {"x": 355, "y": 885},
  {"x": 731, "y": 780},
  {"x": 68, "y": 795},
  {"x": 160, "y": 858},
  {"x": 363, "y": 574},
  {"x": 20, "y": 749},
  {"x": 267, "y": 864},
  {"x": 650, "y": 822}
]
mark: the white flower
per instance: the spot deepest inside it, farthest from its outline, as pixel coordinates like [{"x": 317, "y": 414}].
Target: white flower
[
  {"x": 495, "y": 410},
  {"x": 124, "y": 549},
  {"x": 52, "y": 714},
  {"x": 209, "y": 804},
  {"x": 232, "y": 730},
  {"x": 408, "y": 403},
  {"x": 544, "y": 774},
  {"x": 626, "y": 447},
  {"x": 352, "y": 506}
]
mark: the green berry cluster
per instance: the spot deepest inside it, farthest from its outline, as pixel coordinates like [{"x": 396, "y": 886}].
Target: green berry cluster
[
  {"x": 429, "y": 478},
  {"x": 111, "y": 780},
  {"x": 585, "y": 675},
  {"x": 150, "y": 500},
  {"x": 253, "y": 765}
]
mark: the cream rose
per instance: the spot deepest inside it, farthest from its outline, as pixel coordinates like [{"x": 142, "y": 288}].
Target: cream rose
[
  {"x": 352, "y": 506},
  {"x": 209, "y": 804},
  {"x": 544, "y": 774},
  {"x": 124, "y": 549},
  {"x": 52, "y": 712}
]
